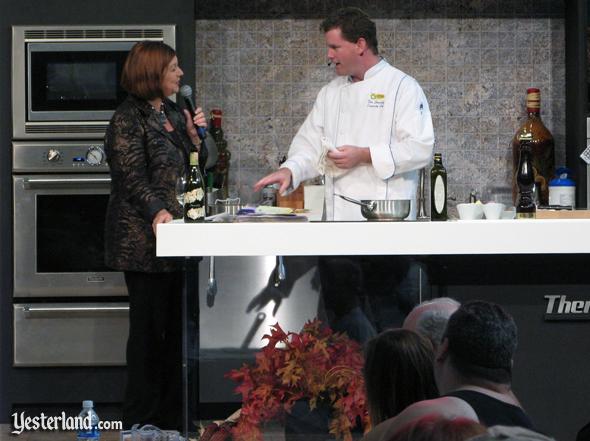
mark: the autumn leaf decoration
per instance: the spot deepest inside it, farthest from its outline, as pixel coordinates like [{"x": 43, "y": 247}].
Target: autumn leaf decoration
[{"x": 315, "y": 364}]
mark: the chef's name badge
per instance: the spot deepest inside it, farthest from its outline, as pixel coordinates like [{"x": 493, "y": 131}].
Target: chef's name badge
[{"x": 376, "y": 100}]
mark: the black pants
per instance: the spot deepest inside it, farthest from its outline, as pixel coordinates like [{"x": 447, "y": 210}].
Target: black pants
[{"x": 154, "y": 350}]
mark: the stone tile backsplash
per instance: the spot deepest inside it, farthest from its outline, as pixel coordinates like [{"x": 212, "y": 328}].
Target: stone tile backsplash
[{"x": 265, "y": 74}]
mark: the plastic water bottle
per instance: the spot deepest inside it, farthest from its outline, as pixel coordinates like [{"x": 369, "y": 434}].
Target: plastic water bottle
[{"x": 89, "y": 423}]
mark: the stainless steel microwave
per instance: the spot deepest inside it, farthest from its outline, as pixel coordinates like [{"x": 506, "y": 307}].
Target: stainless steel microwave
[{"x": 66, "y": 79}]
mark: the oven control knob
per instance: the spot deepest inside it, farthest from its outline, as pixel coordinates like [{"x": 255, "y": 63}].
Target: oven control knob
[
  {"x": 95, "y": 156},
  {"x": 53, "y": 155}
]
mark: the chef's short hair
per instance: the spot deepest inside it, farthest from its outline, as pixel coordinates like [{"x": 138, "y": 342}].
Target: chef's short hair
[
  {"x": 144, "y": 69},
  {"x": 354, "y": 24}
]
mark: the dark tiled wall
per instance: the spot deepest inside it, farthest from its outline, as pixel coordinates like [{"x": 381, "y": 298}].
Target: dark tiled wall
[
  {"x": 264, "y": 65},
  {"x": 247, "y": 9}
]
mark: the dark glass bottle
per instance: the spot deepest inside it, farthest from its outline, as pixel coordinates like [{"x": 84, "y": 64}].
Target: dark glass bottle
[
  {"x": 223, "y": 154},
  {"x": 438, "y": 190},
  {"x": 525, "y": 179},
  {"x": 542, "y": 148},
  {"x": 194, "y": 196}
]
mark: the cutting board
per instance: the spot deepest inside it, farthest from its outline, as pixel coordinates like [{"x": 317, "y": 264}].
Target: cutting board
[
  {"x": 294, "y": 200},
  {"x": 563, "y": 214}
]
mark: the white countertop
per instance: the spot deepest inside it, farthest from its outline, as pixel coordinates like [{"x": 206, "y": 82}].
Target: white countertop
[{"x": 536, "y": 236}]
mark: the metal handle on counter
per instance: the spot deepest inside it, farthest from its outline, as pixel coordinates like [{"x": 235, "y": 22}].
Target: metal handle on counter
[
  {"x": 84, "y": 310},
  {"x": 212, "y": 283},
  {"x": 65, "y": 182},
  {"x": 280, "y": 271},
  {"x": 371, "y": 206}
]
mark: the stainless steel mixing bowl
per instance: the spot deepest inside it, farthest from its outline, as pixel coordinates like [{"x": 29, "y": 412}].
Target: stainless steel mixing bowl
[{"x": 382, "y": 209}]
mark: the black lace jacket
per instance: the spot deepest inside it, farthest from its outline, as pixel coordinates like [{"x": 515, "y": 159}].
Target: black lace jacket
[{"x": 145, "y": 161}]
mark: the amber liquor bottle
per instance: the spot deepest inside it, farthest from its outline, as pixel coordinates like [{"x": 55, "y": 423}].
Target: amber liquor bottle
[
  {"x": 438, "y": 190},
  {"x": 223, "y": 154},
  {"x": 525, "y": 179},
  {"x": 542, "y": 148},
  {"x": 194, "y": 196}
]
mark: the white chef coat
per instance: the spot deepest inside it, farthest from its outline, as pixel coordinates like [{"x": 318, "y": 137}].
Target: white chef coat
[{"x": 386, "y": 112}]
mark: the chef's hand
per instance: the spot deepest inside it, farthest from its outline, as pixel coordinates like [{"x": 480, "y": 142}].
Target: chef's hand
[
  {"x": 282, "y": 177},
  {"x": 163, "y": 216},
  {"x": 349, "y": 156},
  {"x": 191, "y": 123}
]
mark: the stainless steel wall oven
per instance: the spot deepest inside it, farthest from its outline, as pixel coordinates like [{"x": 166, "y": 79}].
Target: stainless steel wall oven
[
  {"x": 66, "y": 310},
  {"x": 59, "y": 222},
  {"x": 69, "y": 309}
]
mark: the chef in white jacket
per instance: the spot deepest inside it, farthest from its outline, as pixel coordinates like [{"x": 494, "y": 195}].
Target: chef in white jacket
[{"x": 370, "y": 129}]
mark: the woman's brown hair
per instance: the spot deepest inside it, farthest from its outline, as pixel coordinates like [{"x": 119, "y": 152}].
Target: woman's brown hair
[
  {"x": 144, "y": 68},
  {"x": 398, "y": 372}
]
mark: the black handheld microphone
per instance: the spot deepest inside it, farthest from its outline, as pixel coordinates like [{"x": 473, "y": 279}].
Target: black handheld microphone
[
  {"x": 329, "y": 63},
  {"x": 187, "y": 95}
]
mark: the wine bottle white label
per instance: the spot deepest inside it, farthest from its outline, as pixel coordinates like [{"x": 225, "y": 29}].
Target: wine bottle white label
[
  {"x": 439, "y": 194},
  {"x": 196, "y": 213},
  {"x": 195, "y": 195}
]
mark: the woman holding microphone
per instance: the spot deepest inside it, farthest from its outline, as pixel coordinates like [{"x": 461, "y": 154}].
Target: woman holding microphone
[{"x": 147, "y": 145}]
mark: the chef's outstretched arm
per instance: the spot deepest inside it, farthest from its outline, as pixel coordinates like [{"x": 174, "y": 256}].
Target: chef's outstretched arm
[{"x": 282, "y": 177}]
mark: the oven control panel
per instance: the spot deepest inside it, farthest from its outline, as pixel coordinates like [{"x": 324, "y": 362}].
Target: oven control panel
[{"x": 64, "y": 156}]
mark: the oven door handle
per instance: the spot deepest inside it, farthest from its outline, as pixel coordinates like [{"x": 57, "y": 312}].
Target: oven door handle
[
  {"x": 60, "y": 311},
  {"x": 66, "y": 182}
]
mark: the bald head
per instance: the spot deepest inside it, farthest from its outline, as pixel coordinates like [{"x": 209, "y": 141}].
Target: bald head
[{"x": 430, "y": 318}]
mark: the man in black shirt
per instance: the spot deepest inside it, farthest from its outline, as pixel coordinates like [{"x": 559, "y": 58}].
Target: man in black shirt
[
  {"x": 474, "y": 363},
  {"x": 473, "y": 370}
]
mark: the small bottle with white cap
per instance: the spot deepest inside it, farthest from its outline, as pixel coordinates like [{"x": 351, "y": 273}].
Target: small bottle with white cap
[{"x": 88, "y": 423}]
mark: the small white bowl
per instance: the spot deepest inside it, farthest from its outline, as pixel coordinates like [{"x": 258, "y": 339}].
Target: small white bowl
[
  {"x": 470, "y": 211},
  {"x": 509, "y": 213},
  {"x": 493, "y": 210}
]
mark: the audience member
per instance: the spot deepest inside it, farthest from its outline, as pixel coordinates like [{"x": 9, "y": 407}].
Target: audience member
[
  {"x": 398, "y": 372},
  {"x": 473, "y": 369},
  {"x": 506, "y": 433},
  {"x": 430, "y": 318},
  {"x": 436, "y": 428},
  {"x": 584, "y": 433},
  {"x": 474, "y": 363}
]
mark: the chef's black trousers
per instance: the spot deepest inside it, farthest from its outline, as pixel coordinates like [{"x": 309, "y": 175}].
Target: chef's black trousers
[{"x": 154, "y": 350}]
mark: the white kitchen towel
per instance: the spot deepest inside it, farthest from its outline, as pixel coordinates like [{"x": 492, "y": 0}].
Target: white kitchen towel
[{"x": 325, "y": 164}]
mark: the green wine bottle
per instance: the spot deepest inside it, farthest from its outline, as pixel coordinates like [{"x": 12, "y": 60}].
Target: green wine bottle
[
  {"x": 438, "y": 190},
  {"x": 194, "y": 196}
]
